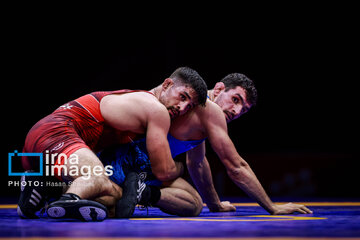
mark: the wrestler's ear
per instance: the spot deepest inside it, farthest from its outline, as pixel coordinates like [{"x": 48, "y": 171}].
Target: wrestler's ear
[
  {"x": 219, "y": 87},
  {"x": 167, "y": 83}
]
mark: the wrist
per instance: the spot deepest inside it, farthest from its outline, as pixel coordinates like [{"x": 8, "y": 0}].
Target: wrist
[
  {"x": 273, "y": 210},
  {"x": 214, "y": 207}
]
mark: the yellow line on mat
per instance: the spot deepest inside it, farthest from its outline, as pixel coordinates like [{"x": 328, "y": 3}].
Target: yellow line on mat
[
  {"x": 344, "y": 204},
  {"x": 166, "y": 238},
  {"x": 305, "y": 203},
  {"x": 8, "y": 205}
]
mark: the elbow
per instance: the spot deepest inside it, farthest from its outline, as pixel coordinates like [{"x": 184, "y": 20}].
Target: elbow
[
  {"x": 165, "y": 175},
  {"x": 234, "y": 172},
  {"x": 238, "y": 171}
]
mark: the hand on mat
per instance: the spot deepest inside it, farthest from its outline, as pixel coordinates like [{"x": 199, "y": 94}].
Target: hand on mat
[
  {"x": 291, "y": 208},
  {"x": 224, "y": 206}
]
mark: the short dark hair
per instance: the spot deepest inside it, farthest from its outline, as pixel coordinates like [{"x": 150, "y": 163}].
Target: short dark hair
[
  {"x": 192, "y": 78},
  {"x": 233, "y": 80}
]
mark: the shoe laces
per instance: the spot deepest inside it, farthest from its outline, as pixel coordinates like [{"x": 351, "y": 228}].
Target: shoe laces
[
  {"x": 142, "y": 208},
  {"x": 43, "y": 210}
]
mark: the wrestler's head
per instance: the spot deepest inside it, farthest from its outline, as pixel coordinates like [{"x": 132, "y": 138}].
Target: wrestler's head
[
  {"x": 183, "y": 90},
  {"x": 235, "y": 94}
]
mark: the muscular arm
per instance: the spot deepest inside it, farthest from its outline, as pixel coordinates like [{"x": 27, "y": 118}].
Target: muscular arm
[
  {"x": 239, "y": 170},
  {"x": 200, "y": 173},
  {"x": 142, "y": 113},
  {"x": 162, "y": 164}
]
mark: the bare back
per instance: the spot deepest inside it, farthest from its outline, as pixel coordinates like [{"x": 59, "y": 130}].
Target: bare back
[{"x": 130, "y": 111}]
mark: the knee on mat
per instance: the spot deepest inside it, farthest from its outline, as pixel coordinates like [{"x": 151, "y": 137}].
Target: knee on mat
[
  {"x": 195, "y": 210},
  {"x": 198, "y": 207}
]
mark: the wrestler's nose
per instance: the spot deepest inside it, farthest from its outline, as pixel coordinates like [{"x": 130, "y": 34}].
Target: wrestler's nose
[
  {"x": 237, "y": 110},
  {"x": 183, "y": 107}
]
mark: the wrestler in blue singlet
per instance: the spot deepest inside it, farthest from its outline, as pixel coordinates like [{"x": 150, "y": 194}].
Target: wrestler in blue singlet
[{"x": 134, "y": 157}]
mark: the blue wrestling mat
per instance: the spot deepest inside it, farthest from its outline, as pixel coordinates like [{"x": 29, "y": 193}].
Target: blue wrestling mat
[{"x": 330, "y": 220}]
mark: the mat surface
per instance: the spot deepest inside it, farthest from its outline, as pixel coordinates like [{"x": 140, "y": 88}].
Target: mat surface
[{"x": 329, "y": 220}]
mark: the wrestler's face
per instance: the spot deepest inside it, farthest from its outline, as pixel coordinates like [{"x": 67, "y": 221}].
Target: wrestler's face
[
  {"x": 232, "y": 102},
  {"x": 177, "y": 98}
]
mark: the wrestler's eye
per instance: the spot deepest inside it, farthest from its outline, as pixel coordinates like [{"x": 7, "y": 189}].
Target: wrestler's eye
[
  {"x": 182, "y": 97},
  {"x": 235, "y": 100}
]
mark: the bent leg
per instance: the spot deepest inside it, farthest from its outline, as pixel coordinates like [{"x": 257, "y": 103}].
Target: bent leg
[
  {"x": 110, "y": 201},
  {"x": 88, "y": 185},
  {"x": 89, "y": 181},
  {"x": 180, "y": 198}
]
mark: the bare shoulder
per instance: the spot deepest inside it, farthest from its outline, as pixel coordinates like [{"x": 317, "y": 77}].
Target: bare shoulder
[
  {"x": 137, "y": 101},
  {"x": 132, "y": 110},
  {"x": 132, "y": 96},
  {"x": 211, "y": 113}
]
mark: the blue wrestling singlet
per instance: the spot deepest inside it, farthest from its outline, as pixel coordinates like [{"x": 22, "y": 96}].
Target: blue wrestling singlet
[{"x": 134, "y": 157}]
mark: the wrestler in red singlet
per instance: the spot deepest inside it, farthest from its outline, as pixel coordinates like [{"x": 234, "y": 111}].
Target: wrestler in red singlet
[{"x": 77, "y": 124}]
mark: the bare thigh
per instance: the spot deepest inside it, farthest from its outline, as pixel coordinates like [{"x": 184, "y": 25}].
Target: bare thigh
[
  {"x": 91, "y": 181},
  {"x": 85, "y": 161}
]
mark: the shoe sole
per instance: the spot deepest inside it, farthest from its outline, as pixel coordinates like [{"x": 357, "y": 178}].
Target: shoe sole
[
  {"x": 125, "y": 207},
  {"x": 85, "y": 213}
]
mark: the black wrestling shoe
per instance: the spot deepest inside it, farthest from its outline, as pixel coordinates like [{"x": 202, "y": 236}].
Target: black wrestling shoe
[
  {"x": 132, "y": 190},
  {"x": 32, "y": 196},
  {"x": 150, "y": 196},
  {"x": 72, "y": 206},
  {"x": 36, "y": 191}
]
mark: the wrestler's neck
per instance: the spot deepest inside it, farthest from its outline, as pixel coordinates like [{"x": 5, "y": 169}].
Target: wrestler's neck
[{"x": 156, "y": 91}]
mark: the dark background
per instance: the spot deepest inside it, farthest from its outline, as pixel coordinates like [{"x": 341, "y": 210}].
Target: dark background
[{"x": 302, "y": 137}]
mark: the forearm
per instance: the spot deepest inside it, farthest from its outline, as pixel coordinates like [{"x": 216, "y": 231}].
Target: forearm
[
  {"x": 202, "y": 178},
  {"x": 162, "y": 164},
  {"x": 246, "y": 179}
]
